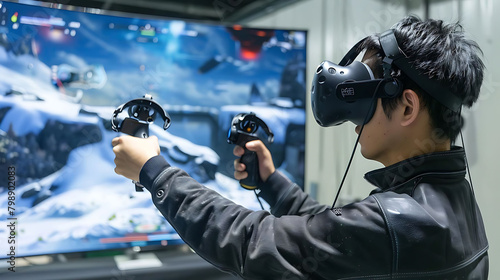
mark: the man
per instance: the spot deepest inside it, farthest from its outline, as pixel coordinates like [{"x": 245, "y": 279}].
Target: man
[{"x": 422, "y": 220}]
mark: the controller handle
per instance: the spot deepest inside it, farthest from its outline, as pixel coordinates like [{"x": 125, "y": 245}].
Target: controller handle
[
  {"x": 243, "y": 130},
  {"x": 135, "y": 128},
  {"x": 140, "y": 116},
  {"x": 251, "y": 161},
  {"x": 142, "y": 131},
  {"x": 139, "y": 129}
]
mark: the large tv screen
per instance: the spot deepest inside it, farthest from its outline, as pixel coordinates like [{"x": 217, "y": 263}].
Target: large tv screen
[{"x": 62, "y": 74}]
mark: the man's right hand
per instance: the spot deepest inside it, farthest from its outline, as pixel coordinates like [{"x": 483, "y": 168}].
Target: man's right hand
[
  {"x": 131, "y": 153},
  {"x": 266, "y": 165}
]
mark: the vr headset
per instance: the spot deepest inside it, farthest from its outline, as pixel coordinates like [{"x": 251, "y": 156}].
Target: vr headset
[{"x": 348, "y": 91}]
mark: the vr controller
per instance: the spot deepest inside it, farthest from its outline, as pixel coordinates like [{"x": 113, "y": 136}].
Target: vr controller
[
  {"x": 244, "y": 128},
  {"x": 141, "y": 113}
]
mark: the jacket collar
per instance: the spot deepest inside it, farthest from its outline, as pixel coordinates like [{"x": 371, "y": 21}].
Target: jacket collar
[{"x": 403, "y": 171}]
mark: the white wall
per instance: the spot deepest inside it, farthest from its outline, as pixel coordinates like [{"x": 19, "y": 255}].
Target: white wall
[{"x": 333, "y": 27}]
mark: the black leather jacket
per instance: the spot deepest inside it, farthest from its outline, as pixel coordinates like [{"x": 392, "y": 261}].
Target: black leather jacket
[{"x": 422, "y": 222}]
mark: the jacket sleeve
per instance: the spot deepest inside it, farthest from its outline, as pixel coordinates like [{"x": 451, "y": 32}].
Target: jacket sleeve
[
  {"x": 287, "y": 198},
  {"x": 258, "y": 245}
]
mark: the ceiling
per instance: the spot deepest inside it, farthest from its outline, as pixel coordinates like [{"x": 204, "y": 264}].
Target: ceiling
[{"x": 226, "y": 11}]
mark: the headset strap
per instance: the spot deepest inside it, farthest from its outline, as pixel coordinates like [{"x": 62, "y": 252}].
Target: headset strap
[
  {"x": 351, "y": 55},
  {"x": 433, "y": 87}
]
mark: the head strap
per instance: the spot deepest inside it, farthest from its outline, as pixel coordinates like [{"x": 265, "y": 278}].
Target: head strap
[{"x": 435, "y": 88}]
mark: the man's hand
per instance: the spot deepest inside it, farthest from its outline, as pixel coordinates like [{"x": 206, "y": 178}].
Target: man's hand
[
  {"x": 266, "y": 165},
  {"x": 131, "y": 153}
]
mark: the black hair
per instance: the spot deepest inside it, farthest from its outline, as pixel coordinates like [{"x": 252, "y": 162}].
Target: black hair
[{"x": 440, "y": 51}]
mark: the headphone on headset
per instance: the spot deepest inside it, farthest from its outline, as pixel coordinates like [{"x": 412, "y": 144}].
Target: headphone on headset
[{"x": 346, "y": 91}]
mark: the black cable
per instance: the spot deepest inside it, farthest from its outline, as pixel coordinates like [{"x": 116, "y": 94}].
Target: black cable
[
  {"x": 372, "y": 103},
  {"x": 467, "y": 163},
  {"x": 258, "y": 199},
  {"x": 348, "y": 166},
  {"x": 465, "y": 152}
]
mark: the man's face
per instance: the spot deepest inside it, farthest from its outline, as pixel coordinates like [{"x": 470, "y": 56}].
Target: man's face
[
  {"x": 379, "y": 139},
  {"x": 380, "y": 135}
]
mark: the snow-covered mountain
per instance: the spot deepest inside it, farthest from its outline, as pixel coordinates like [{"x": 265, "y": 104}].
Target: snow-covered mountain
[{"x": 68, "y": 197}]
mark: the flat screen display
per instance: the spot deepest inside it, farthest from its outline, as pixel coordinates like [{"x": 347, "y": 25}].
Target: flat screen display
[{"x": 62, "y": 74}]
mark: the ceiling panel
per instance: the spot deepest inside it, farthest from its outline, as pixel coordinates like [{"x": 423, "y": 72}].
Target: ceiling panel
[{"x": 229, "y": 11}]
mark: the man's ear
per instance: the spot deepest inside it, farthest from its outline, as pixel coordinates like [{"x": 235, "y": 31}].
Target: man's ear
[{"x": 410, "y": 103}]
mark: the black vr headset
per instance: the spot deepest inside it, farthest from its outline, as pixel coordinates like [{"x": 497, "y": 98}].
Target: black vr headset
[{"x": 348, "y": 91}]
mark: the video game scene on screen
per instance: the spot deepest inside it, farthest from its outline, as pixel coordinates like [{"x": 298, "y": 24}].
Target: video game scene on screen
[{"x": 63, "y": 73}]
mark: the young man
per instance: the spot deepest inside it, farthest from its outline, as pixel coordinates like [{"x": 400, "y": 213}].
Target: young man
[{"x": 421, "y": 222}]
